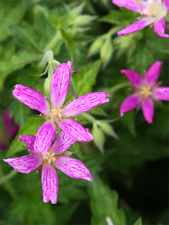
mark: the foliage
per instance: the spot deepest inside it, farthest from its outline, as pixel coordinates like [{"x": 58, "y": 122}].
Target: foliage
[{"x": 126, "y": 154}]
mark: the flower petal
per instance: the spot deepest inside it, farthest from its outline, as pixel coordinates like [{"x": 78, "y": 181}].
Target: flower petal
[
  {"x": 45, "y": 137},
  {"x": 130, "y": 103},
  {"x": 29, "y": 141},
  {"x": 148, "y": 109},
  {"x": 85, "y": 103},
  {"x": 130, "y": 4},
  {"x": 33, "y": 99},
  {"x": 159, "y": 28},
  {"x": 50, "y": 183},
  {"x": 134, "y": 27},
  {"x": 161, "y": 93},
  {"x": 60, "y": 84},
  {"x": 25, "y": 164},
  {"x": 13, "y": 131},
  {"x": 73, "y": 168},
  {"x": 75, "y": 130},
  {"x": 166, "y": 4},
  {"x": 7, "y": 121},
  {"x": 135, "y": 79},
  {"x": 153, "y": 73},
  {"x": 62, "y": 143}
]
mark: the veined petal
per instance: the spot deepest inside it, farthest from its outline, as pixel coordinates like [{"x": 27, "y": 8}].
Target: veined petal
[
  {"x": 153, "y": 73},
  {"x": 75, "y": 130},
  {"x": 29, "y": 141},
  {"x": 159, "y": 28},
  {"x": 45, "y": 137},
  {"x": 130, "y": 103},
  {"x": 135, "y": 79},
  {"x": 130, "y": 4},
  {"x": 161, "y": 93},
  {"x": 85, "y": 103},
  {"x": 50, "y": 183},
  {"x": 148, "y": 109},
  {"x": 60, "y": 84},
  {"x": 73, "y": 168},
  {"x": 166, "y": 4},
  {"x": 33, "y": 99},
  {"x": 62, "y": 143},
  {"x": 134, "y": 27},
  {"x": 25, "y": 164}
]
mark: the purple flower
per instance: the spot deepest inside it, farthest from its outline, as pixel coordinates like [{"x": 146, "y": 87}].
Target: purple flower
[
  {"x": 146, "y": 91},
  {"x": 9, "y": 131},
  {"x": 54, "y": 110},
  {"x": 46, "y": 156},
  {"x": 152, "y": 12}
]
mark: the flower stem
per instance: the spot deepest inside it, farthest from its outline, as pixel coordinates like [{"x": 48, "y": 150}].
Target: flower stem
[
  {"x": 89, "y": 117},
  {"x": 5, "y": 180},
  {"x": 53, "y": 42}
]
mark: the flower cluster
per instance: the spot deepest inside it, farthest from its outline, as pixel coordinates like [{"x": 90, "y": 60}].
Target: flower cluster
[
  {"x": 152, "y": 12},
  {"x": 46, "y": 152}
]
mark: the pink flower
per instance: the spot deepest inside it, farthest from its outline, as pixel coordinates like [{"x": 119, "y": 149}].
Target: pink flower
[
  {"x": 9, "y": 131},
  {"x": 54, "y": 110},
  {"x": 46, "y": 156},
  {"x": 152, "y": 12},
  {"x": 146, "y": 91}
]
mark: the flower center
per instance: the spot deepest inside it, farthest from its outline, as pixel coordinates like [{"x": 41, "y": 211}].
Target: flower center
[
  {"x": 49, "y": 157},
  {"x": 155, "y": 9},
  {"x": 145, "y": 91},
  {"x": 56, "y": 113}
]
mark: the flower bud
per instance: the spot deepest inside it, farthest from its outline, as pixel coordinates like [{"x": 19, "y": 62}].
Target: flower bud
[{"x": 98, "y": 137}]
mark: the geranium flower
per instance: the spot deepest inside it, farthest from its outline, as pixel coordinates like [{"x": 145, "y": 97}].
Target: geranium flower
[
  {"x": 46, "y": 156},
  {"x": 9, "y": 131},
  {"x": 153, "y": 12},
  {"x": 54, "y": 110},
  {"x": 146, "y": 91}
]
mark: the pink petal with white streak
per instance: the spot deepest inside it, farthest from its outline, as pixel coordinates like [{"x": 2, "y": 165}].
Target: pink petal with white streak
[
  {"x": 159, "y": 28},
  {"x": 85, "y": 103},
  {"x": 148, "y": 109},
  {"x": 33, "y": 99},
  {"x": 130, "y": 103},
  {"x": 153, "y": 73},
  {"x": 135, "y": 79},
  {"x": 166, "y": 4},
  {"x": 134, "y": 27},
  {"x": 73, "y": 168},
  {"x": 29, "y": 141},
  {"x": 50, "y": 183},
  {"x": 62, "y": 143},
  {"x": 60, "y": 84},
  {"x": 161, "y": 93},
  {"x": 130, "y": 4},
  {"x": 45, "y": 137},
  {"x": 25, "y": 164},
  {"x": 75, "y": 130}
]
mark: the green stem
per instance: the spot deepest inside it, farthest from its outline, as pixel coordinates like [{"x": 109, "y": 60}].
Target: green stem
[
  {"x": 53, "y": 42},
  {"x": 5, "y": 180},
  {"x": 89, "y": 117},
  {"x": 119, "y": 86}
]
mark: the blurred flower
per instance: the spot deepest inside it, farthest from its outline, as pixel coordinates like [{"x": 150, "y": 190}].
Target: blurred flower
[
  {"x": 146, "y": 91},
  {"x": 109, "y": 221},
  {"x": 9, "y": 131},
  {"x": 57, "y": 113},
  {"x": 45, "y": 155},
  {"x": 152, "y": 12}
]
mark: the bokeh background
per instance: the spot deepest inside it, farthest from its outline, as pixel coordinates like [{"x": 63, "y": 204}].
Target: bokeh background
[{"x": 128, "y": 158}]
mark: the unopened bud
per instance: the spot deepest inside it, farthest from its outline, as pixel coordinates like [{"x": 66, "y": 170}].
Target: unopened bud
[
  {"x": 108, "y": 129},
  {"x": 98, "y": 137}
]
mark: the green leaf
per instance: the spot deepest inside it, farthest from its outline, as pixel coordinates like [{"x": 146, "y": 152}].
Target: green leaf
[
  {"x": 86, "y": 76},
  {"x": 29, "y": 128},
  {"x": 138, "y": 222},
  {"x": 10, "y": 14},
  {"x": 11, "y": 60},
  {"x": 104, "y": 203}
]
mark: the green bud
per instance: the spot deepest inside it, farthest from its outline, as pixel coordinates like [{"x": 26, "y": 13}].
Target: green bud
[
  {"x": 96, "y": 46},
  {"x": 83, "y": 20},
  {"x": 108, "y": 129},
  {"x": 98, "y": 137},
  {"x": 106, "y": 51}
]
